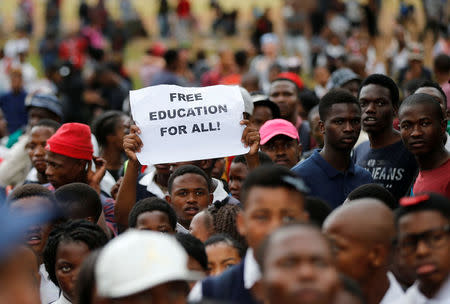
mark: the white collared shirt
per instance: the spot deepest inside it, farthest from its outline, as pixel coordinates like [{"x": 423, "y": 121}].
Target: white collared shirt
[
  {"x": 394, "y": 292},
  {"x": 49, "y": 291},
  {"x": 62, "y": 300},
  {"x": 152, "y": 187},
  {"x": 414, "y": 296},
  {"x": 252, "y": 274}
]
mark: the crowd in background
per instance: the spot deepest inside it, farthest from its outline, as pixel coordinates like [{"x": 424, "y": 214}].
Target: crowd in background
[{"x": 343, "y": 197}]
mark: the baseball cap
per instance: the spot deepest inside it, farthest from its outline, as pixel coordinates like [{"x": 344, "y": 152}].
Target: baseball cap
[
  {"x": 340, "y": 77},
  {"x": 274, "y": 127},
  {"x": 46, "y": 101},
  {"x": 138, "y": 260}
]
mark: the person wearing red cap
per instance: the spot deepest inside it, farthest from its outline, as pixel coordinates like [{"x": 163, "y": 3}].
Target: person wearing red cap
[
  {"x": 69, "y": 159},
  {"x": 279, "y": 140},
  {"x": 284, "y": 91}
]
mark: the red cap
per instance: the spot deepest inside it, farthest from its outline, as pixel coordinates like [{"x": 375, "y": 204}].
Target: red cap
[
  {"x": 413, "y": 200},
  {"x": 274, "y": 127},
  {"x": 292, "y": 77},
  {"x": 72, "y": 140}
]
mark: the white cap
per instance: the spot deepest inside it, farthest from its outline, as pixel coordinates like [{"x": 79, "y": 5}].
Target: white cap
[
  {"x": 139, "y": 260},
  {"x": 248, "y": 101}
]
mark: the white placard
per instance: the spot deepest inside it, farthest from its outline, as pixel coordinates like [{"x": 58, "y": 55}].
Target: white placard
[{"x": 183, "y": 124}]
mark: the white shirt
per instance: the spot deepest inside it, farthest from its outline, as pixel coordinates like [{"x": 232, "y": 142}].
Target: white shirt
[
  {"x": 252, "y": 274},
  {"x": 62, "y": 300},
  {"x": 49, "y": 291},
  {"x": 447, "y": 143},
  {"x": 414, "y": 296},
  {"x": 394, "y": 292},
  {"x": 149, "y": 181}
]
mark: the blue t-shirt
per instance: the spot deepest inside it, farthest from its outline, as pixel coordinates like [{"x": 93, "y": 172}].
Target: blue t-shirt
[
  {"x": 327, "y": 183},
  {"x": 13, "y": 107},
  {"x": 393, "y": 167}
]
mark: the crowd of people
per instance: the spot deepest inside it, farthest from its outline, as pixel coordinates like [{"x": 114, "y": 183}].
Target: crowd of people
[{"x": 342, "y": 197}]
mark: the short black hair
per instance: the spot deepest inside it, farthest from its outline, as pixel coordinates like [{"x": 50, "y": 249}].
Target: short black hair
[
  {"x": 194, "y": 248},
  {"x": 317, "y": 209},
  {"x": 432, "y": 84},
  {"x": 271, "y": 176},
  {"x": 442, "y": 63},
  {"x": 335, "y": 96},
  {"x": 352, "y": 287},
  {"x": 86, "y": 283},
  {"x": 383, "y": 81},
  {"x": 171, "y": 57},
  {"x": 225, "y": 238},
  {"x": 186, "y": 169},
  {"x": 308, "y": 99},
  {"x": 76, "y": 231},
  {"x": 150, "y": 204},
  {"x": 32, "y": 190},
  {"x": 267, "y": 243},
  {"x": 264, "y": 159},
  {"x": 106, "y": 124},
  {"x": 269, "y": 104},
  {"x": 224, "y": 219},
  {"x": 374, "y": 191},
  {"x": 429, "y": 202},
  {"x": 79, "y": 200},
  {"x": 422, "y": 99},
  {"x": 49, "y": 123}
]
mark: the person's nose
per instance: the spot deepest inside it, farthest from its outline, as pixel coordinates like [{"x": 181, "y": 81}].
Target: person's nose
[
  {"x": 416, "y": 131},
  {"x": 39, "y": 151},
  {"x": 348, "y": 127},
  {"x": 371, "y": 108}
]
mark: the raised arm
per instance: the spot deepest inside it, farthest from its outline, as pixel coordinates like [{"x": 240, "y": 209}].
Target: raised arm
[{"x": 126, "y": 197}]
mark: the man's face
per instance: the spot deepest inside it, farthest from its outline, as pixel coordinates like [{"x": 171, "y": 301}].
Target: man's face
[
  {"x": 352, "y": 86},
  {"x": 266, "y": 209},
  {"x": 315, "y": 129},
  {"x": 238, "y": 172},
  {"x": 62, "y": 170},
  {"x": 36, "y": 236},
  {"x": 16, "y": 82},
  {"x": 424, "y": 245},
  {"x": 283, "y": 150},
  {"x": 284, "y": 94},
  {"x": 350, "y": 250},
  {"x": 36, "y": 147},
  {"x": 436, "y": 94},
  {"x": 298, "y": 268},
  {"x": 260, "y": 115},
  {"x": 376, "y": 107},
  {"x": 420, "y": 128},
  {"x": 189, "y": 196},
  {"x": 342, "y": 126}
]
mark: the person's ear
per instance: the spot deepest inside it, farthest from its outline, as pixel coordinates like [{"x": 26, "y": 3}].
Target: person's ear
[
  {"x": 322, "y": 127},
  {"x": 240, "y": 224},
  {"x": 378, "y": 256},
  {"x": 168, "y": 199}
]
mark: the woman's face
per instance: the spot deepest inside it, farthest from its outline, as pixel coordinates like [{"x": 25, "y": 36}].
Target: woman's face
[
  {"x": 69, "y": 257},
  {"x": 220, "y": 257}
]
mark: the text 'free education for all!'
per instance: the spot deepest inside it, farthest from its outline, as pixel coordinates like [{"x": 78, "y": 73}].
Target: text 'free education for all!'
[{"x": 184, "y": 124}]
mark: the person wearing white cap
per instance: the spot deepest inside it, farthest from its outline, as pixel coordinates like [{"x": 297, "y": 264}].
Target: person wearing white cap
[{"x": 143, "y": 267}]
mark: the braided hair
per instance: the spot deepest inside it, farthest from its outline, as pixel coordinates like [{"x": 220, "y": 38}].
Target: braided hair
[
  {"x": 77, "y": 231},
  {"x": 224, "y": 219}
]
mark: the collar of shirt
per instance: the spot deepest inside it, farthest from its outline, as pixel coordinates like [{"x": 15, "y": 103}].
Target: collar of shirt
[
  {"x": 394, "y": 292},
  {"x": 180, "y": 229},
  {"x": 329, "y": 169},
  {"x": 252, "y": 273},
  {"x": 149, "y": 181},
  {"x": 414, "y": 296},
  {"x": 62, "y": 300}
]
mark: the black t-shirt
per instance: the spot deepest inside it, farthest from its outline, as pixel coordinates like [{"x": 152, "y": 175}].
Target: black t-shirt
[{"x": 393, "y": 166}]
